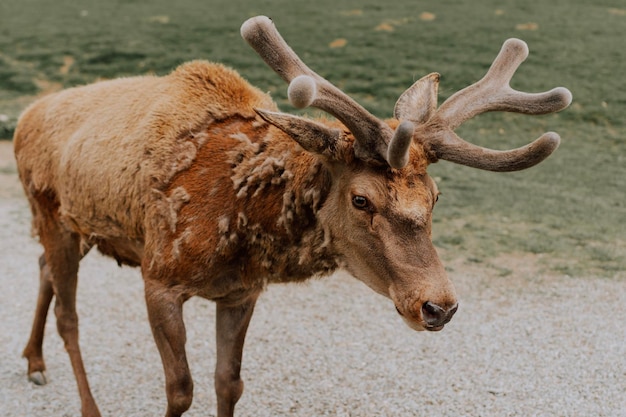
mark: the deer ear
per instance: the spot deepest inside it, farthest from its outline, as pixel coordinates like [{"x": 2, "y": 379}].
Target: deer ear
[
  {"x": 312, "y": 136},
  {"x": 419, "y": 102}
]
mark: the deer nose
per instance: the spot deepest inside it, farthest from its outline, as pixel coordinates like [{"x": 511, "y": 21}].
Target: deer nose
[{"x": 436, "y": 316}]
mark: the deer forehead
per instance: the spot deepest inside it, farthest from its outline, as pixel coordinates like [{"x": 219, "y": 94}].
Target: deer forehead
[{"x": 414, "y": 201}]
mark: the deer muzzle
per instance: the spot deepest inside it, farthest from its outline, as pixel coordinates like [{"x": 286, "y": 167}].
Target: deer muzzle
[
  {"x": 429, "y": 308},
  {"x": 431, "y": 317}
]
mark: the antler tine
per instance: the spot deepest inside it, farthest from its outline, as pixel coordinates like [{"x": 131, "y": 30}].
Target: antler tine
[
  {"x": 307, "y": 88},
  {"x": 493, "y": 93},
  {"x": 448, "y": 146},
  {"x": 261, "y": 34}
]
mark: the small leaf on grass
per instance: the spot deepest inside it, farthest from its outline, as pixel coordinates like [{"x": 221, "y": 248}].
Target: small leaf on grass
[
  {"x": 353, "y": 12},
  {"x": 162, "y": 19},
  {"x": 527, "y": 26},
  {"x": 338, "y": 43},
  {"x": 68, "y": 61},
  {"x": 384, "y": 27}
]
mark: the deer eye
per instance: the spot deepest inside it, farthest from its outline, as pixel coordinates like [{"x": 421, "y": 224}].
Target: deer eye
[{"x": 360, "y": 202}]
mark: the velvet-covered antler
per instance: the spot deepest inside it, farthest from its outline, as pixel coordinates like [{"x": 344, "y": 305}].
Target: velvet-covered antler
[
  {"x": 491, "y": 93},
  {"x": 375, "y": 140}
]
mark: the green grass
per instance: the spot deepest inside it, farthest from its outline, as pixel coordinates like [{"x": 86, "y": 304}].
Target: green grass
[{"x": 572, "y": 208}]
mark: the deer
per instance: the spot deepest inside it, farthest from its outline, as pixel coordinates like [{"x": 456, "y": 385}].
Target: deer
[{"x": 197, "y": 178}]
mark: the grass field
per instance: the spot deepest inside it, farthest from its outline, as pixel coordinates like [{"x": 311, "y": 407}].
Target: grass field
[{"x": 570, "y": 210}]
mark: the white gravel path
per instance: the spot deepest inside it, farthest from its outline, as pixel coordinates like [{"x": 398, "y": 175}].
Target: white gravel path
[{"x": 520, "y": 345}]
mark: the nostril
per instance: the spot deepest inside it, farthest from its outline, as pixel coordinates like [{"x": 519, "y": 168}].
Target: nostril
[
  {"x": 432, "y": 313},
  {"x": 430, "y": 308},
  {"x": 435, "y": 315}
]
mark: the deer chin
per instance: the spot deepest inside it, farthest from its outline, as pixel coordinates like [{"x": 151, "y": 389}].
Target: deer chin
[
  {"x": 412, "y": 319},
  {"x": 421, "y": 327}
]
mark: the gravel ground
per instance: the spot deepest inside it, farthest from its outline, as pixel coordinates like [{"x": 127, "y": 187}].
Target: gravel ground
[{"x": 522, "y": 345}]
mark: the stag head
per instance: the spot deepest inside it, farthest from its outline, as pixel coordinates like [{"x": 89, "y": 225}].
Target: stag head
[{"x": 379, "y": 209}]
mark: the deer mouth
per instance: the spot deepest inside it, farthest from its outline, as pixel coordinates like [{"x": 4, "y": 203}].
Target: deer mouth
[{"x": 434, "y": 328}]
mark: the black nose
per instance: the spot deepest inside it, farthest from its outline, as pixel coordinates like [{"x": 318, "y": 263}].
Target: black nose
[{"x": 435, "y": 315}]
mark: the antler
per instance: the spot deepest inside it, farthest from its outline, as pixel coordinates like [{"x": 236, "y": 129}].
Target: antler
[
  {"x": 493, "y": 93},
  {"x": 375, "y": 140}
]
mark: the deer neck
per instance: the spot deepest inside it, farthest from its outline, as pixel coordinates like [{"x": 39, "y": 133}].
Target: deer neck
[{"x": 280, "y": 189}]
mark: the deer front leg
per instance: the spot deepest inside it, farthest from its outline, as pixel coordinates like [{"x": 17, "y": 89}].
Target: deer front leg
[
  {"x": 34, "y": 351},
  {"x": 165, "y": 312},
  {"x": 231, "y": 325}
]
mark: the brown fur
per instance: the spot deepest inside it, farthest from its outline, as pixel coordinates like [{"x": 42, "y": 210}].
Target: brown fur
[
  {"x": 196, "y": 178},
  {"x": 180, "y": 175},
  {"x": 187, "y": 181},
  {"x": 64, "y": 141}
]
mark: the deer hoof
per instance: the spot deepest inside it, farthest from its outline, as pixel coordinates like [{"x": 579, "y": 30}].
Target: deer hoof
[{"x": 38, "y": 378}]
